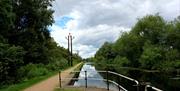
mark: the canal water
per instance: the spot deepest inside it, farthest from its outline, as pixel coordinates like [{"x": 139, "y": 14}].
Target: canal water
[
  {"x": 166, "y": 81},
  {"x": 161, "y": 80},
  {"x": 94, "y": 78}
]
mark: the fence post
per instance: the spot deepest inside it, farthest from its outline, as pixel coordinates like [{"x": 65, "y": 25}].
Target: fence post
[
  {"x": 107, "y": 80},
  {"x": 119, "y": 81},
  {"x": 85, "y": 78},
  {"x": 60, "y": 79},
  {"x": 138, "y": 87}
]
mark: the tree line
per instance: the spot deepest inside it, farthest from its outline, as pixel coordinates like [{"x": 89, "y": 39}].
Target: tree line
[
  {"x": 26, "y": 47},
  {"x": 152, "y": 44}
]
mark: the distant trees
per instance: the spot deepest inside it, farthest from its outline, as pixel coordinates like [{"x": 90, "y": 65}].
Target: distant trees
[{"x": 152, "y": 43}]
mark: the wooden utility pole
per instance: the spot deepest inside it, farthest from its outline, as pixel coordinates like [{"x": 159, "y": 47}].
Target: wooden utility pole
[{"x": 70, "y": 49}]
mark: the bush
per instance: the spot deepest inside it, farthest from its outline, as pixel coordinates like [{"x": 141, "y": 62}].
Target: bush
[
  {"x": 57, "y": 64},
  {"x": 11, "y": 58},
  {"x": 170, "y": 65},
  {"x": 32, "y": 70},
  {"x": 121, "y": 61},
  {"x": 37, "y": 72}
]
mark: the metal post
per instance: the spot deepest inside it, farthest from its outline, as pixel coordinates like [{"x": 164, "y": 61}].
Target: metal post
[
  {"x": 107, "y": 80},
  {"x": 119, "y": 80},
  {"x": 85, "y": 78},
  {"x": 60, "y": 79},
  {"x": 137, "y": 87}
]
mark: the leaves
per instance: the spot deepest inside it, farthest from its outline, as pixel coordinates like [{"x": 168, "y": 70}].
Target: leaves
[
  {"x": 153, "y": 43},
  {"x": 11, "y": 58}
]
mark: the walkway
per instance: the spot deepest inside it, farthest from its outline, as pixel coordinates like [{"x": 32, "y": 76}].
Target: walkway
[{"x": 51, "y": 83}]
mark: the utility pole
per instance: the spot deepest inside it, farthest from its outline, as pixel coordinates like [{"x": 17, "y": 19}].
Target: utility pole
[{"x": 70, "y": 49}]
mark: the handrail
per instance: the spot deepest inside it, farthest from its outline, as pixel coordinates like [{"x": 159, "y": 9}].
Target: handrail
[
  {"x": 107, "y": 80},
  {"x": 118, "y": 85},
  {"x": 137, "y": 83},
  {"x": 114, "y": 74},
  {"x": 154, "y": 88},
  {"x": 101, "y": 80}
]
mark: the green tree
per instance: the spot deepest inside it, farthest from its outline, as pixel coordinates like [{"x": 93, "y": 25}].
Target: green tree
[
  {"x": 31, "y": 28},
  {"x": 7, "y": 17},
  {"x": 129, "y": 46},
  {"x": 121, "y": 61},
  {"x": 105, "y": 53},
  {"x": 152, "y": 56},
  {"x": 150, "y": 27},
  {"x": 11, "y": 58},
  {"x": 153, "y": 43}
]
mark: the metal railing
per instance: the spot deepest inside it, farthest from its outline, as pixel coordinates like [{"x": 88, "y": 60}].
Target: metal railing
[
  {"x": 151, "y": 88},
  {"x": 120, "y": 88}
]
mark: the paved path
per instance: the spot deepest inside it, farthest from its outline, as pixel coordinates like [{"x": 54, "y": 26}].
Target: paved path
[{"x": 51, "y": 83}]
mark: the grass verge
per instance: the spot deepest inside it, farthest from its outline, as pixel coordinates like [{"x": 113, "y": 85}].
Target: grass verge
[
  {"x": 25, "y": 84},
  {"x": 22, "y": 85}
]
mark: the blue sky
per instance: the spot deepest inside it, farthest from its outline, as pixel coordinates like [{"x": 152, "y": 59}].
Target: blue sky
[
  {"x": 93, "y": 22},
  {"x": 63, "y": 21}
]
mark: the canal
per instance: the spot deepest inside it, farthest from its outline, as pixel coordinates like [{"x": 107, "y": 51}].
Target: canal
[
  {"x": 94, "y": 78},
  {"x": 162, "y": 80}
]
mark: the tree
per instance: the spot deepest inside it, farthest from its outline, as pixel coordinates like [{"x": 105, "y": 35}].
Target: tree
[
  {"x": 129, "y": 46},
  {"x": 150, "y": 27},
  {"x": 11, "y": 58},
  {"x": 152, "y": 56},
  {"x": 31, "y": 28},
  {"x": 105, "y": 52},
  {"x": 6, "y": 17},
  {"x": 121, "y": 61},
  {"x": 153, "y": 43}
]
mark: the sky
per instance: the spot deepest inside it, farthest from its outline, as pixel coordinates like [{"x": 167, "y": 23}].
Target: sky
[{"x": 93, "y": 22}]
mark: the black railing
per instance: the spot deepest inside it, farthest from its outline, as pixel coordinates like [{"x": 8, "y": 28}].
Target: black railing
[{"x": 147, "y": 87}]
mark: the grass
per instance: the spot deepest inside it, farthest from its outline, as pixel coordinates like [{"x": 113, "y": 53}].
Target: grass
[
  {"x": 22, "y": 85},
  {"x": 79, "y": 67},
  {"x": 25, "y": 84},
  {"x": 67, "y": 89}
]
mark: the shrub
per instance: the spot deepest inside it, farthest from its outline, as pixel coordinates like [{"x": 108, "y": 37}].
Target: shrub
[
  {"x": 32, "y": 70},
  {"x": 57, "y": 64}
]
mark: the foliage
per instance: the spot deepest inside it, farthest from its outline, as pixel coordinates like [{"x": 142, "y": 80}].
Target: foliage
[
  {"x": 152, "y": 43},
  {"x": 32, "y": 70},
  {"x": 121, "y": 61},
  {"x": 26, "y": 47},
  {"x": 11, "y": 58},
  {"x": 151, "y": 57}
]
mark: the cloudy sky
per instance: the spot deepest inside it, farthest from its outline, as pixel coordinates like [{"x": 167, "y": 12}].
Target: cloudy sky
[{"x": 92, "y": 22}]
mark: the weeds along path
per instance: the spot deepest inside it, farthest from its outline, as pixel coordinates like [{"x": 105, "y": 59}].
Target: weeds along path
[{"x": 51, "y": 83}]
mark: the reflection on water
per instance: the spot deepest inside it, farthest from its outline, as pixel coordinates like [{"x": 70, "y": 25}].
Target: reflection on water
[
  {"x": 161, "y": 80},
  {"x": 167, "y": 81},
  {"x": 92, "y": 74}
]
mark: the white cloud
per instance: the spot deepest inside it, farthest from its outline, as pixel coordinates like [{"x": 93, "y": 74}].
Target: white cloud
[
  {"x": 87, "y": 41},
  {"x": 97, "y": 21}
]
